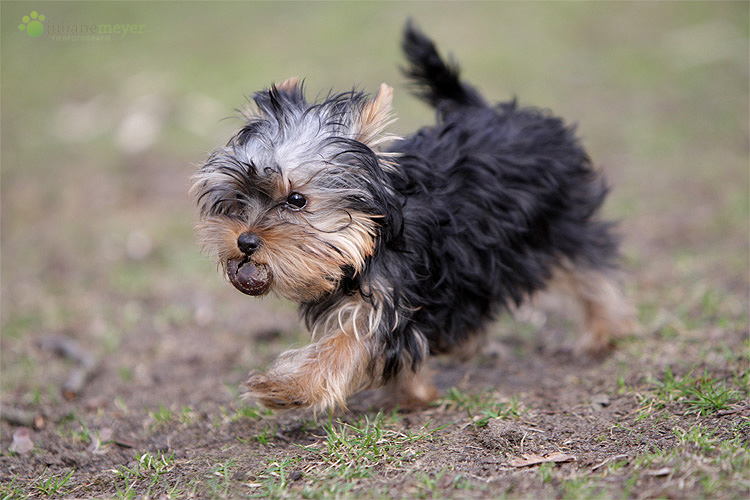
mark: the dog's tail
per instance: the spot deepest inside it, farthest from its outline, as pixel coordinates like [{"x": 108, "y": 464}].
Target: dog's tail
[{"x": 435, "y": 80}]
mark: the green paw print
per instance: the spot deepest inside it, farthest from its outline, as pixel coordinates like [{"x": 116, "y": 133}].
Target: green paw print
[{"x": 32, "y": 24}]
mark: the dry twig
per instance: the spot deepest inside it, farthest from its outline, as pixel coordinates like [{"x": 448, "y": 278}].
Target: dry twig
[{"x": 85, "y": 363}]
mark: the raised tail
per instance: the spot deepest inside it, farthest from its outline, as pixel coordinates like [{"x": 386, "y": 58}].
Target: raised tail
[{"x": 435, "y": 80}]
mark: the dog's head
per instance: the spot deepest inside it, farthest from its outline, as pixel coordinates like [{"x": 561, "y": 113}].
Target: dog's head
[{"x": 300, "y": 196}]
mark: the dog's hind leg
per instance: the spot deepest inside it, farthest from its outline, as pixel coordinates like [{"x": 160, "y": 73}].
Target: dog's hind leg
[{"x": 604, "y": 312}]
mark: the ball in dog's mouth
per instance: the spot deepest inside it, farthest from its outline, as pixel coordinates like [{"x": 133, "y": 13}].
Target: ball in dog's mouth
[{"x": 248, "y": 277}]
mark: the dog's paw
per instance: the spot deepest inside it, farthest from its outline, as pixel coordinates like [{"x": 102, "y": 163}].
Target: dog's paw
[
  {"x": 596, "y": 347},
  {"x": 278, "y": 394}
]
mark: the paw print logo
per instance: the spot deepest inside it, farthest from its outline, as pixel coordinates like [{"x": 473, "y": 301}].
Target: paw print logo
[{"x": 32, "y": 24}]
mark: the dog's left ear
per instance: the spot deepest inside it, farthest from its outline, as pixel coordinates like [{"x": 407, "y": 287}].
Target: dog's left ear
[
  {"x": 375, "y": 116},
  {"x": 276, "y": 100},
  {"x": 291, "y": 88},
  {"x": 289, "y": 85}
]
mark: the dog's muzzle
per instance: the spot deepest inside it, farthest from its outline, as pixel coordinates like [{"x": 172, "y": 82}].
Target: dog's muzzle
[{"x": 248, "y": 277}]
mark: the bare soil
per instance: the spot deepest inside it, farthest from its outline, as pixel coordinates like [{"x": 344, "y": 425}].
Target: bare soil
[{"x": 592, "y": 410}]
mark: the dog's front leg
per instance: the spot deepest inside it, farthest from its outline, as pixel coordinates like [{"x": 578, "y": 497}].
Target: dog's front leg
[{"x": 320, "y": 375}]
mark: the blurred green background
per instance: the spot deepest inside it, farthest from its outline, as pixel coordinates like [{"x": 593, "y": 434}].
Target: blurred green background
[{"x": 99, "y": 138}]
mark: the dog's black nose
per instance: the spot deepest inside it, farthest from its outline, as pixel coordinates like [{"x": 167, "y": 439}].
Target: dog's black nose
[{"x": 248, "y": 243}]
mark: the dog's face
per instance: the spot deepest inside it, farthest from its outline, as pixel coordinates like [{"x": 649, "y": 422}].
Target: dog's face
[{"x": 298, "y": 198}]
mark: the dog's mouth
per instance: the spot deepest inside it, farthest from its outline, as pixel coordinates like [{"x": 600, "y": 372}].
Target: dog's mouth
[{"x": 248, "y": 277}]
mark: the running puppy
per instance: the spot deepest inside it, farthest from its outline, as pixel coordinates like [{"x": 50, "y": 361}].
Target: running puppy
[{"x": 395, "y": 248}]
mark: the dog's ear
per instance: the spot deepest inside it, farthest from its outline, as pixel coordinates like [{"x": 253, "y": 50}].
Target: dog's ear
[
  {"x": 293, "y": 89},
  {"x": 289, "y": 86},
  {"x": 279, "y": 97},
  {"x": 375, "y": 116}
]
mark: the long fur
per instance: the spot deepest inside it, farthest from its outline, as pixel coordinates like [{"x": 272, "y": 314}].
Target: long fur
[
  {"x": 492, "y": 198},
  {"x": 449, "y": 226}
]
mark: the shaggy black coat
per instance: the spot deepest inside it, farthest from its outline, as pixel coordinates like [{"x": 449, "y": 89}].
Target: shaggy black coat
[{"x": 490, "y": 200}]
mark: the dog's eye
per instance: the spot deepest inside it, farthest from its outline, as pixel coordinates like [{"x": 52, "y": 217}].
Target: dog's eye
[{"x": 296, "y": 201}]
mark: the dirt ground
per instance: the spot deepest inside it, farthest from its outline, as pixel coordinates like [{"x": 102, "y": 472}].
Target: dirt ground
[
  {"x": 123, "y": 350},
  {"x": 173, "y": 395},
  {"x": 167, "y": 402}
]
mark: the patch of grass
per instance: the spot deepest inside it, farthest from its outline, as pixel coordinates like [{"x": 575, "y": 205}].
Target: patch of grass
[
  {"x": 74, "y": 427},
  {"x": 11, "y": 491},
  {"x": 53, "y": 485},
  {"x": 352, "y": 450},
  {"x": 219, "y": 481},
  {"x": 324, "y": 491},
  {"x": 240, "y": 412},
  {"x": 125, "y": 373},
  {"x": 706, "y": 395},
  {"x": 702, "y": 394},
  {"x": 85, "y": 434},
  {"x": 349, "y": 451},
  {"x": 250, "y": 411},
  {"x": 696, "y": 437},
  {"x": 482, "y": 407},
  {"x": 622, "y": 386},
  {"x": 428, "y": 484},
  {"x": 545, "y": 472},
  {"x": 667, "y": 390},
  {"x": 187, "y": 415},
  {"x": 460, "y": 482},
  {"x": 274, "y": 480},
  {"x": 581, "y": 488},
  {"x": 702, "y": 456},
  {"x": 264, "y": 437},
  {"x": 162, "y": 415},
  {"x": 147, "y": 472},
  {"x": 121, "y": 404},
  {"x": 630, "y": 483},
  {"x": 617, "y": 465}
]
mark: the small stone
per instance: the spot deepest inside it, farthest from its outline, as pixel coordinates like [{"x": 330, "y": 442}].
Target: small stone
[
  {"x": 22, "y": 443},
  {"x": 599, "y": 401}
]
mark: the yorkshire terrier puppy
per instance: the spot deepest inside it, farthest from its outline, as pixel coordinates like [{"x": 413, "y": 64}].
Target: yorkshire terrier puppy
[{"x": 398, "y": 248}]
